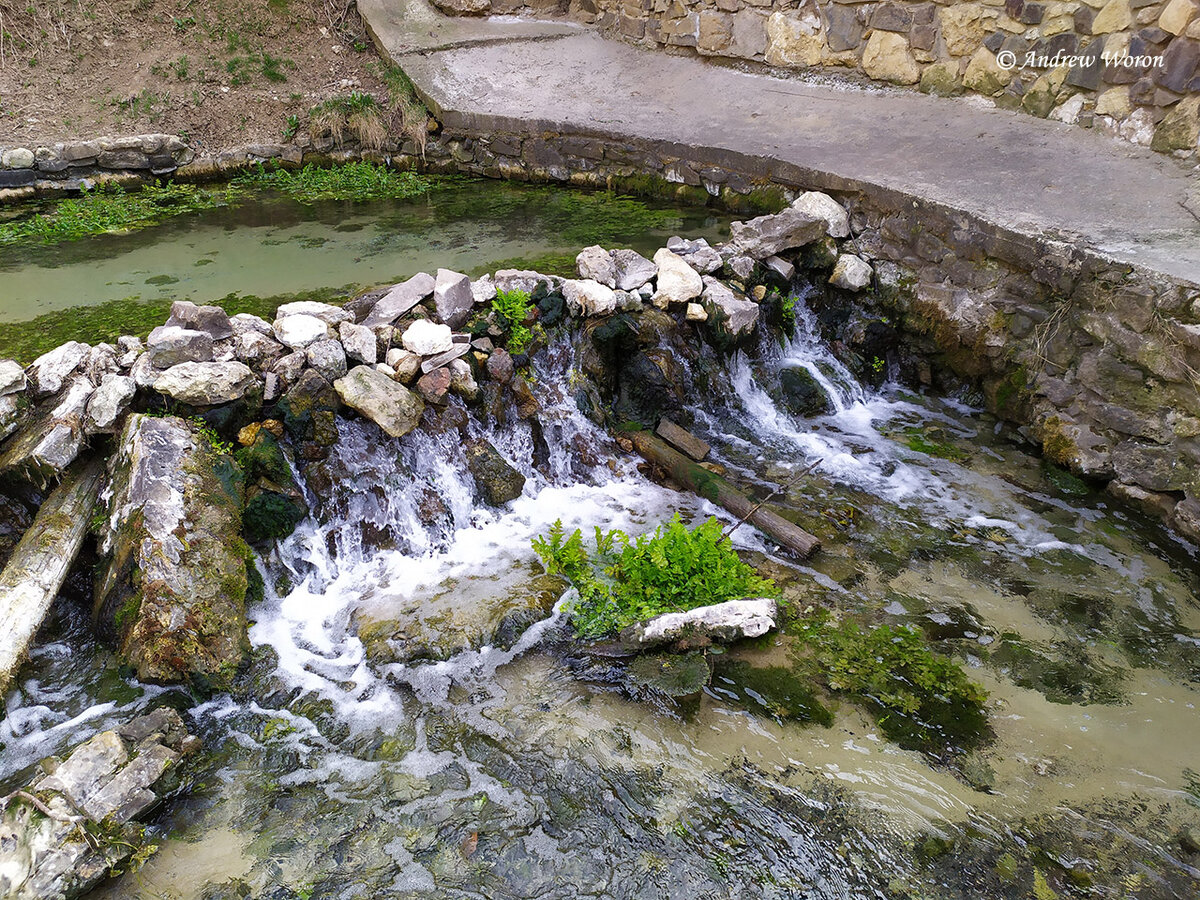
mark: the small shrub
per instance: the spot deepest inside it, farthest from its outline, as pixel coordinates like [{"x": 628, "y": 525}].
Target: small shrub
[{"x": 623, "y": 581}]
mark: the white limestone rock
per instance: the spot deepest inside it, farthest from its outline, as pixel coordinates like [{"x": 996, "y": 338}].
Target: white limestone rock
[
  {"x": 426, "y": 338},
  {"x": 589, "y": 298},
  {"x": 851, "y": 273},
  {"x": 724, "y": 622},
  {"x": 821, "y": 206},
  {"x": 299, "y": 330},
  {"x": 677, "y": 281}
]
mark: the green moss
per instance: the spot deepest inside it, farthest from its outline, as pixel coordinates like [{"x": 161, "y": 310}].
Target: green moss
[
  {"x": 255, "y": 587},
  {"x": 1014, "y": 388},
  {"x": 921, "y": 700},
  {"x": 1064, "y": 480},
  {"x": 561, "y": 264},
  {"x": 921, "y": 440},
  {"x": 270, "y": 516},
  {"x": 109, "y": 208},
  {"x": 128, "y": 613},
  {"x": 105, "y": 322}
]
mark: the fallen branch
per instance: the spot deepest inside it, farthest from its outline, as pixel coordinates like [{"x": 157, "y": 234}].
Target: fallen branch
[{"x": 716, "y": 489}]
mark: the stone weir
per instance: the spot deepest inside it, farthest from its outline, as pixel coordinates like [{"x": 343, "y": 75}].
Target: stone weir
[{"x": 1108, "y": 388}]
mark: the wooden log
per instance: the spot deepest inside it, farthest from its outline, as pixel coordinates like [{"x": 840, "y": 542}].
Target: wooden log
[
  {"x": 716, "y": 489},
  {"x": 682, "y": 439},
  {"x": 39, "y": 564}
]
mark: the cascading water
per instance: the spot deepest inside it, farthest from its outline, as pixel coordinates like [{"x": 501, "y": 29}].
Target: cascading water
[{"x": 475, "y": 769}]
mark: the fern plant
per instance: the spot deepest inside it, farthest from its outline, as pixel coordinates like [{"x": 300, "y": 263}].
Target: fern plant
[{"x": 622, "y": 580}]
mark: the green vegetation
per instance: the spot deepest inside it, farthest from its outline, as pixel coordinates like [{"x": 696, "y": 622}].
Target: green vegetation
[
  {"x": 920, "y": 440},
  {"x": 26, "y": 341},
  {"x": 623, "y": 581},
  {"x": 921, "y": 700},
  {"x": 406, "y": 105},
  {"x": 109, "y": 208},
  {"x": 356, "y": 182},
  {"x": 357, "y": 114},
  {"x": 511, "y": 309}
]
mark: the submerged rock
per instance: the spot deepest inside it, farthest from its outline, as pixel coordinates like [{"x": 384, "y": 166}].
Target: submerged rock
[
  {"x": 94, "y": 796},
  {"x": 725, "y": 622},
  {"x": 469, "y": 614},
  {"x": 171, "y": 585},
  {"x": 384, "y": 401},
  {"x": 498, "y": 482},
  {"x": 802, "y": 393},
  {"x": 677, "y": 677}
]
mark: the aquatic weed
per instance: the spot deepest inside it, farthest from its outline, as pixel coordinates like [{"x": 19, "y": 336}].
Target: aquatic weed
[
  {"x": 355, "y": 181},
  {"x": 623, "y": 581}
]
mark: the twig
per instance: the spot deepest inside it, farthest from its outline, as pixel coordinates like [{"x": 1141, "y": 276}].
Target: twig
[{"x": 783, "y": 487}]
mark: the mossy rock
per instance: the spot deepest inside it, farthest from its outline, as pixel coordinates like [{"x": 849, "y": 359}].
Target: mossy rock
[
  {"x": 802, "y": 393},
  {"x": 779, "y": 692},
  {"x": 677, "y": 677}
]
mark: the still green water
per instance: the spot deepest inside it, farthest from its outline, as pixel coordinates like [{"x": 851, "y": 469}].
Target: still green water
[{"x": 264, "y": 249}]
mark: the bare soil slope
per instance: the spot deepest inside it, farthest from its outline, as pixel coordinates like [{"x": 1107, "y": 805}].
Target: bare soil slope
[{"x": 221, "y": 72}]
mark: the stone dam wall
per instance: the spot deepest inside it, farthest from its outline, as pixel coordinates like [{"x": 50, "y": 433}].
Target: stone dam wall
[
  {"x": 1094, "y": 360},
  {"x": 1128, "y": 67}
]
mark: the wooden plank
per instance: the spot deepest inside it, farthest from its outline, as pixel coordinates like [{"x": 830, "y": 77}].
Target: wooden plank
[
  {"x": 39, "y": 564},
  {"x": 713, "y": 487},
  {"x": 682, "y": 439}
]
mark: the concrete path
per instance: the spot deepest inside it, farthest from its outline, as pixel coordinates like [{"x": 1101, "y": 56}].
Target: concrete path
[{"x": 1011, "y": 169}]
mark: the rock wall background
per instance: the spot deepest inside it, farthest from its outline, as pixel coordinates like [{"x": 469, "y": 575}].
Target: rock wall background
[{"x": 945, "y": 48}]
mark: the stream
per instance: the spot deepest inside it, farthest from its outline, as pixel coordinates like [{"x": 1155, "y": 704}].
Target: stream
[{"x": 524, "y": 772}]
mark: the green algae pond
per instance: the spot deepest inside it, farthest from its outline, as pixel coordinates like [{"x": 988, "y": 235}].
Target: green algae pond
[{"x": 258, "y": 248}]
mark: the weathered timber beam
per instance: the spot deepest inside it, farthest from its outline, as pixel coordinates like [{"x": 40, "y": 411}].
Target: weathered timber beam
[
  {"x": 39, "y": 564},
  {"x": 716, "y": 489}
]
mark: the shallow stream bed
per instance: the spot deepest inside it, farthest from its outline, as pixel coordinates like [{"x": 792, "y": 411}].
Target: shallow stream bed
[{"x": 333, "y": 771}]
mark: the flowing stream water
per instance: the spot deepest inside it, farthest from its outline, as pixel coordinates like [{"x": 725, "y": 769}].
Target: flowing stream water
[{"x": 518, "y": 773}]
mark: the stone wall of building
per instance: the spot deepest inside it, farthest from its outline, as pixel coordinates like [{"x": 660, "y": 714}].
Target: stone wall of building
[{"x": 1128, "y": 67}]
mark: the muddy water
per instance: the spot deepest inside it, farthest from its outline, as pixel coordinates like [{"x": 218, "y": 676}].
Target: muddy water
[{"x": 528, "y": 772}]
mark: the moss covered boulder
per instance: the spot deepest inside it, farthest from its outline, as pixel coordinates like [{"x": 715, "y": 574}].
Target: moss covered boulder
[{"x": 172, "y": 581}]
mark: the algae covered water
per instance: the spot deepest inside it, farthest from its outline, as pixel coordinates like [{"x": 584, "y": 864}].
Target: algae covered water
[
  {"x": 514, "y": 766},
  {"x": 266, "y": 247}
]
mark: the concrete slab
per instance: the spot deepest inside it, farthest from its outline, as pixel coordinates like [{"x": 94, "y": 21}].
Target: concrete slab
[{"x": 1010, "y": 169}]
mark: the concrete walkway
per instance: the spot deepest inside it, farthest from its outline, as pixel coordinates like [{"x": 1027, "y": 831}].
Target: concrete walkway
[{"x": 1026, "y": 174}]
